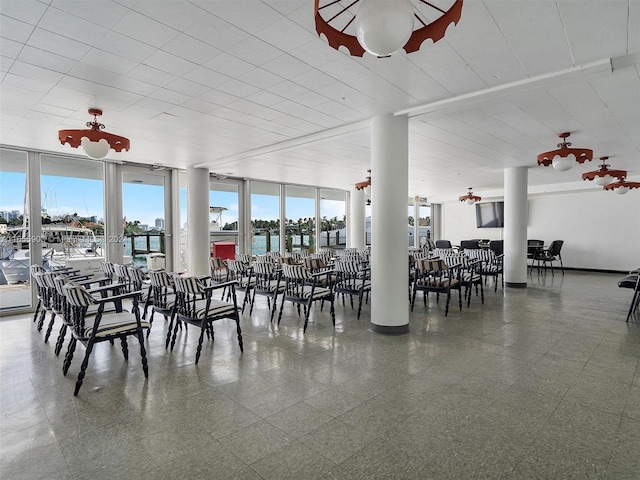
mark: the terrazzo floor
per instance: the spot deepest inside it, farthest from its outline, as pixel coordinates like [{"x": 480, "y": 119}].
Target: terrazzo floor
[{"x": 537, "y": 383}]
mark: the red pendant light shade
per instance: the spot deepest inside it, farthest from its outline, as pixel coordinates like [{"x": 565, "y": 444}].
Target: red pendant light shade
[
  {"x": 383, "y": 27},
  {"x": 603, "y": 176},
  {"x": 561, "y": 158},
  {"x": 470, "y": 198},
  {"x": 95, "y": 142},
  {"x": 621, "y": 186},
  {"x": 365, "y": 185}
]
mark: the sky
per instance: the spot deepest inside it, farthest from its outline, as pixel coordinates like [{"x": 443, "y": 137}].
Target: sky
[{"x": 69, "y": 195}]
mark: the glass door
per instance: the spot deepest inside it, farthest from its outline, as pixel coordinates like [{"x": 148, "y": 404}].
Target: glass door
[
  {"x": 147, "y": 226},
  {"x": 15, "y": 244}
]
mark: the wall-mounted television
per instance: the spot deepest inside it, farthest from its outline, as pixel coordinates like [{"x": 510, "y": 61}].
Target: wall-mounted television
[{"x": 490, "y": 215}]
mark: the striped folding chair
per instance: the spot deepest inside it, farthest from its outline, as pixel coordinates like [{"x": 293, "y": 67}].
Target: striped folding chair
[
  {"x": 105, "y": 326},
  {"x": 195, "y": 305},
  {"x": 303, "y": 288}
]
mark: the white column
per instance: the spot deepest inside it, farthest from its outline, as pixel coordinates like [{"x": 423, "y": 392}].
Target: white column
[
  {"x": 33, "y": 208},
  {"x": 283, "y": 224},
  {"x": 198, "y": 221},
  {"x": 175, "y": 226},
  {"x": 114, "y": 227},
  {"x": 437, "y": 231},
  {"x": 389, "y": 248},
  {"x": 515, "y": 227},
  {"x": 356, "y": 219}
]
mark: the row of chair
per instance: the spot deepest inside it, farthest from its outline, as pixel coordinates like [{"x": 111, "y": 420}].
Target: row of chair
[{"x": 442, "y": 270}]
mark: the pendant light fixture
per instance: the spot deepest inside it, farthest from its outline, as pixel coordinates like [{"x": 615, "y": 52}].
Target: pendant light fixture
[
  {"x": 94, "y": 141},
  {"x": 604, "y": 176},
  {"x": 382, "y": 27},
  {"x": 564, "y": 157},
  {"x": 470, "y": 198}
]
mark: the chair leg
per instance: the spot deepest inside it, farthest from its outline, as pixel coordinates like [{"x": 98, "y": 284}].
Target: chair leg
[
  {"x": 60, "y": 341},
  {"x": 199, "y": 350},
  {"x": 35, "y": 314},
  {"x": 281, "y": 308},
  {"x": 143, "y": 353},
  {"x": 125, "y": 347},
  {"x": 50, "y": 327},
  {"x": 83, "y": 368},
  {"x": 69, "y": 355},
  {"x": 239, "y": 331}
]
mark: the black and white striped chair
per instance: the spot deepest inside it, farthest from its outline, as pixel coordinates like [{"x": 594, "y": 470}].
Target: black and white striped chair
[
  {"x": 43, "y": 294},
  {"x": 163, "y": 298},
  {"x": 105, "y": 326},
  {"x": 34, "y": 269},
  {"x": 469, "y": 273},
  {"x": 352, "y": 279},
  {"x": 195, "y": 305},
  {"x": 303, "y": 288},
  {"x": 437, "y": 277},
  {"x": 490, "y": 264},
  {"x": 241, "y": 273},
  {"x": 139, "y": 282},
  {"x": 267, "y": 283}
]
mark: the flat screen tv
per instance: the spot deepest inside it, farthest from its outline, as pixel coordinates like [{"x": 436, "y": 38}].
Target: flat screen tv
[{"x": 490, "y": 215}]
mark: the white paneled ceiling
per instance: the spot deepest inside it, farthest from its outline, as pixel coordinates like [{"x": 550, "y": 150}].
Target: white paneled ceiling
[{"x": 248, "y": 89}]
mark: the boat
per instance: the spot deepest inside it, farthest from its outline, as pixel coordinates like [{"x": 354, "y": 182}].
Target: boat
[{"x": 63, "y": 245}]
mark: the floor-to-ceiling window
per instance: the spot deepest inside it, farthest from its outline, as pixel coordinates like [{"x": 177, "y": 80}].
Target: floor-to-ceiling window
[
  {"x": 144, "y": 216},
  {"x": 72, "y": 200},
  {"x": 300, "y": 216},
  {"x": 419, "y": 220},
  {"x": 224, "y": 213},
  {"x": 15, "y": 291},
  {"x": 333, "y": 216},
  {"x": 265, "y": 217}
]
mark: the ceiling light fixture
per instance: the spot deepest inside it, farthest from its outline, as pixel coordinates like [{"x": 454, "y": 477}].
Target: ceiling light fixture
[
  {"x": 604, "y": 176},
  {"x": 366, "y": 185},
  {"x": 94, "y": 141},
  {"x": 621, "y": 186},
  {"x": 561, "y": 159},
  {"x": 382, "y": 27},
  {"x": 470, "y": 198}
]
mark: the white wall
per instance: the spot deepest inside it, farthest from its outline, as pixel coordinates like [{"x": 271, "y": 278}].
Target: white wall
[{"x": 601, "y": 230}]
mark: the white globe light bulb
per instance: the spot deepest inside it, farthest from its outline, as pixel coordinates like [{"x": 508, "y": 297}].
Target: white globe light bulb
[
  {"x": 470, "y": 201},
  {"x": 622, "y": 190},
  {"x": 95, "y": 150},
  {"x": 384, "y": 26},
  {"x": 563, "y": 163},
  {"x": 604, "y": 180}
]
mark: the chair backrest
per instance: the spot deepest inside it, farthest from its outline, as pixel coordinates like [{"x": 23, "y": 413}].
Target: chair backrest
[
  {"x": 442, "y": 252},
  {"x": 36, "y": 269},
  {"x": 244, "y": 258},
  {"x": 497, "y": 246},
  {"x": 289, "y": 261},
  {"x": 122, "y": 272},
  {"x": 136, "y": 277},
  {"x": 315, "y": 264},
  {"x": 469, "y": 244},
  {"x": 160, "y": 279},
  {"x": 555, "y": 247},
  {"x": 218, "y": 269},
  {"x": 77, "y": 295},
  {"x": 237, "y": 268},
  {"x": 295, "y": 272},
  {"x": 108, "y": 269},
  {"x": 443, "y": 244}
]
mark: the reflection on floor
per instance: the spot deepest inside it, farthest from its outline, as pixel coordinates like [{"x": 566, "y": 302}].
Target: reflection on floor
[{"x": 537, "y": 383}]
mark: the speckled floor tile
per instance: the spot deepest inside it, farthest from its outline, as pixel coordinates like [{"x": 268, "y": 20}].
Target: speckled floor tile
[{"x": 537, "y": 383}]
